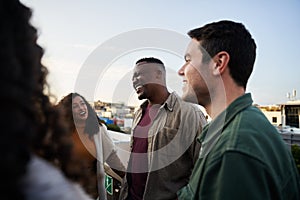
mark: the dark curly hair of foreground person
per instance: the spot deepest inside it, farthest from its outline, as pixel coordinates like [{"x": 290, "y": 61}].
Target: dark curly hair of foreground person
[{"x": 30, "y": 124}]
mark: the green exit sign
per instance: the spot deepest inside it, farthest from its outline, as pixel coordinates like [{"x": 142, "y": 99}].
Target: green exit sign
[{"x": 109, "y": 184}]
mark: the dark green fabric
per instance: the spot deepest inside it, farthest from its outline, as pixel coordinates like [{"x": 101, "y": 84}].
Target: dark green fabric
[{"x": 242, "y": 157}]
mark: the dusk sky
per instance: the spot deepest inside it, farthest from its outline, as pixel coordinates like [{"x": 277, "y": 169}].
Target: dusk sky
[{"x": 75, "y": 33}]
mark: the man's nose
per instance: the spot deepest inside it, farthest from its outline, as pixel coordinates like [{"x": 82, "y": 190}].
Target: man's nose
[{"x": 181, "y": 71}]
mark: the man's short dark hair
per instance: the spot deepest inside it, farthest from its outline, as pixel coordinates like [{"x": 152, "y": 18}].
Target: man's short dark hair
[
  {"x": 149, "y": 60},
  {"x": 233, "y": 38}
]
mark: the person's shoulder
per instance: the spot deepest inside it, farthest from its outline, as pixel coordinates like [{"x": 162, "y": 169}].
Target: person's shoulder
[
  {"x": 39, "y": 169},
  {"x": 45, "y": 181},
  {"x": 184, "y": 103},
  {"x": 189, "y": 107},
  {"x": 102, "y": 126},
  {"x": 253, "y": 114},
  {"x": 252, "y": 129}
]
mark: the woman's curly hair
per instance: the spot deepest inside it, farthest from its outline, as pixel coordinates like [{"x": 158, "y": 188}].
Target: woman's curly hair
[
  {"x": 80, "y": 174},
  {"x": 30, "y": 123}
]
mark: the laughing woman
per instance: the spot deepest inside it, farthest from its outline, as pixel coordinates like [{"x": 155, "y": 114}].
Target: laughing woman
[{"x": 92, "y": 144}]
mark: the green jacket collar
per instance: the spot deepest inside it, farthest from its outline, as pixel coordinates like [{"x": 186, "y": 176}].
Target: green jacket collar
[{"x": 212, "y": 131}]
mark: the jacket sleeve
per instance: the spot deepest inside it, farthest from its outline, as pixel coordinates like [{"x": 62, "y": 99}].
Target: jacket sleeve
[
  {"x": 110, "y": 155},
  {"x": 196, "y": 121}
]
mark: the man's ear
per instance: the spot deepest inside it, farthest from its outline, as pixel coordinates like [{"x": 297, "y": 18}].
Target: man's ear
[{"x": 221, "y": 61}]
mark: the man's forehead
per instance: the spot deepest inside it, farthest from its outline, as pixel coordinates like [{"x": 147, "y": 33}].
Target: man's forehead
[
  {"x": 193, "y": 48},
  {"x": 147, "y": 66},
  {"x": 193, "y": 44}
]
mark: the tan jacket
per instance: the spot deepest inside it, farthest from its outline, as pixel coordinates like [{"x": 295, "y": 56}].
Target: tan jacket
[{"x": 172, "y": 147}]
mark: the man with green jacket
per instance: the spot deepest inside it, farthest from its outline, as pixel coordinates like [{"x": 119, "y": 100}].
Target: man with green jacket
[{"x": 242, "y": 155}]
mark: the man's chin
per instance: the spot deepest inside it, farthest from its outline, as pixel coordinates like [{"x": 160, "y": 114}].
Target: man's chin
[
  {"x": 141, "y": 97},
  {"x": 192, "y": 98}
]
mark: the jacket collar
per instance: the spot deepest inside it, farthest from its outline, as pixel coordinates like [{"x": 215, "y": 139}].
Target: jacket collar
[
  {"x": 168, "y": 104},
  {"x": 213, "y": 130},
  {"x": 229, "y": 113}
]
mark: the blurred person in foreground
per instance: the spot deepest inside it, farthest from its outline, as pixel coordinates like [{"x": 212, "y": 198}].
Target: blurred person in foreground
[
  {"x": 242, "y": 155},
  {"x": 163, "y": 149},
  {"x": 92, "y": 143},
  {"x": 32, "y": 136}
]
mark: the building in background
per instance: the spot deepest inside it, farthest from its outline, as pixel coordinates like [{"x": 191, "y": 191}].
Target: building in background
[
  {"x": 115, "y": 113},
  {"x": 290, "y": 113},
  {"x": 273, "y": 113},
  {"x": 286, "y": 114}
]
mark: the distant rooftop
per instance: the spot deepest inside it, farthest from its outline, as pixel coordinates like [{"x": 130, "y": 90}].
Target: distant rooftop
[{"x": 295, "y": 102}]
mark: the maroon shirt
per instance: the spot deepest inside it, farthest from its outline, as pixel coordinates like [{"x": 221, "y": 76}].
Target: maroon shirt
[{"x": 139, "y": 157}]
